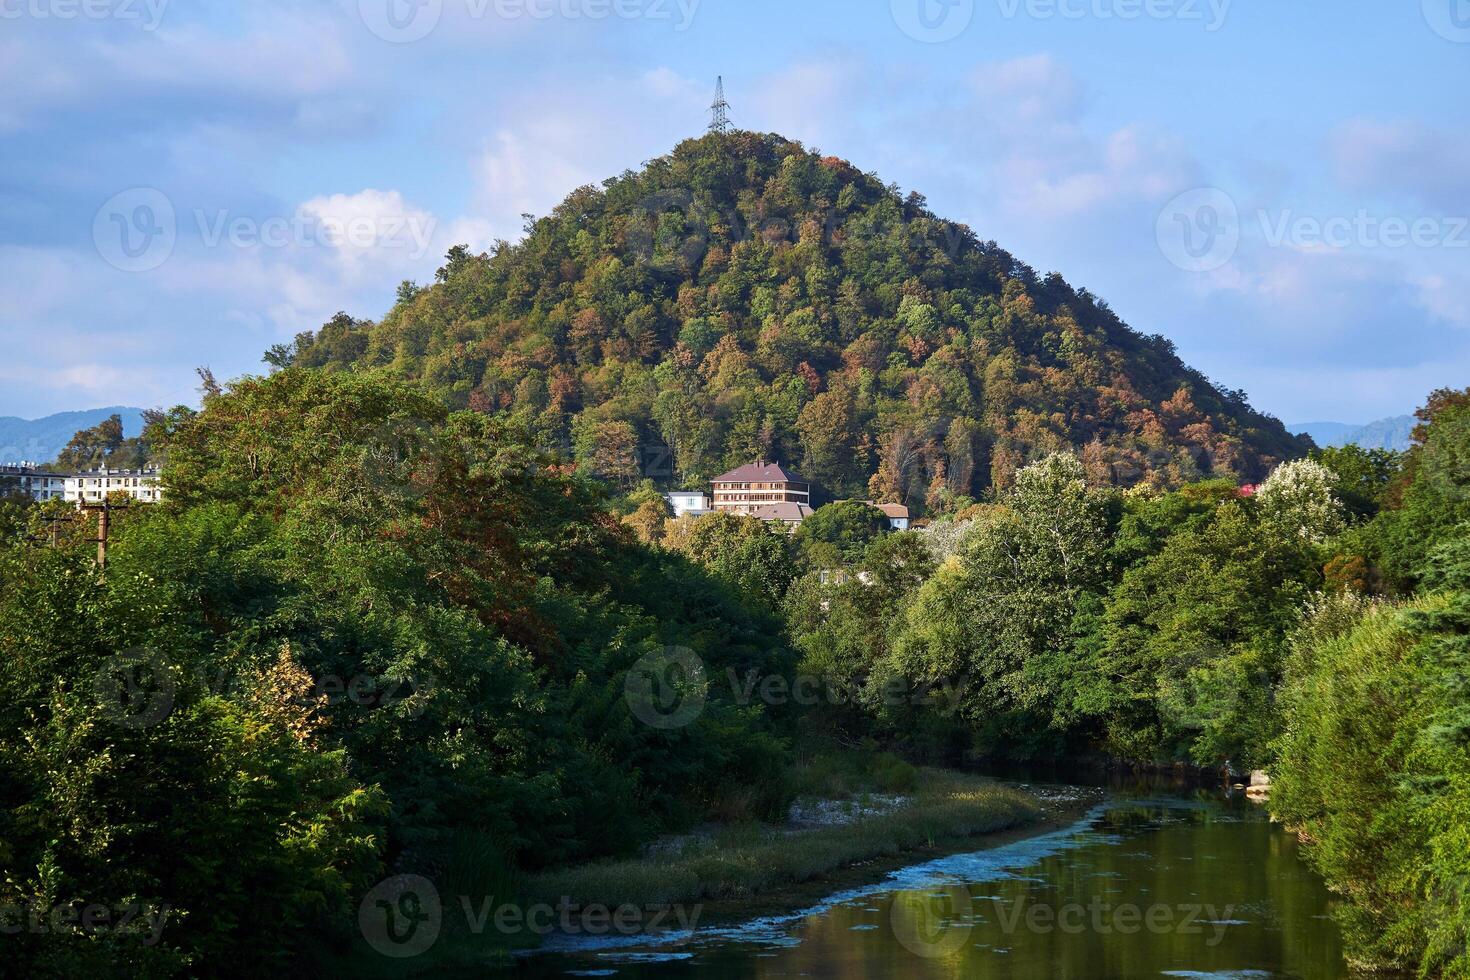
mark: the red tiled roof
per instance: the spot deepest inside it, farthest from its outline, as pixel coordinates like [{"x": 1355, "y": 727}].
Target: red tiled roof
[{"x": 759, "y": 473}]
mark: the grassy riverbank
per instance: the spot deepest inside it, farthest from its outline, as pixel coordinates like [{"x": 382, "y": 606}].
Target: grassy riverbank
[{"x": 745, "y": 862}]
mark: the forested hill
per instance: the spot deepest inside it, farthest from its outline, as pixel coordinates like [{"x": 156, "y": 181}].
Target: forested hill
[{"x": 744, "y": 297}]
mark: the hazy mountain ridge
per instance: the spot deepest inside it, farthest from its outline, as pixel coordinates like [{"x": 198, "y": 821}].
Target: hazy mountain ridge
[
  {"x": 40, "y": 440},
  {"x": 1391, "y": 433},
  {"x": 744, "y": 297}
]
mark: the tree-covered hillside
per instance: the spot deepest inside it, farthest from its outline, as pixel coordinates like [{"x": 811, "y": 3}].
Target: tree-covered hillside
[{"x": 745, "y": 297}]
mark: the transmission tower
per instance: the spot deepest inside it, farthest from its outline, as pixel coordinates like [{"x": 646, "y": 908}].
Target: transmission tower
[{"x": 720, "y": 111}]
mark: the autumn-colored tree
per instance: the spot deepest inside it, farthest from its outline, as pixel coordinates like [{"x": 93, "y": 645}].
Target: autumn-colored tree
[
  {"x": 609, "y": 449},
  {"x": 648, "y": 520}
]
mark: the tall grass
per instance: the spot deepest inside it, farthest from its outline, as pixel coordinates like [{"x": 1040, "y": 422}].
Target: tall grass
[{"x": 746, "y": 860}]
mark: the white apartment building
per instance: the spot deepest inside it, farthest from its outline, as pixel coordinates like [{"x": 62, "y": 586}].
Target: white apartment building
[{"x": 94, "y": 486}]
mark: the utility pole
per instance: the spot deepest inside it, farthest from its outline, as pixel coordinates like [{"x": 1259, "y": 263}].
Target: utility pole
[
  {"x": 53, "y": 524},
  {"x": 54, "y": 521},
  {"x": 720, "y": 111},
  {"x": 104, "y": 520}
]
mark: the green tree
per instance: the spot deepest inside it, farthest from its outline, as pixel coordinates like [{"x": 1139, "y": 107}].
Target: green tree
[
  {"x": 998, "y": 617},
  {"x": 745, "y": 552},
  {"x": 378, "y": 629},
  {"x": 1363, "y": 475},
  {"x": 838, "y": 534},
  {"x": 828, "y": 429},
  {"x": 94, "y": 447}
]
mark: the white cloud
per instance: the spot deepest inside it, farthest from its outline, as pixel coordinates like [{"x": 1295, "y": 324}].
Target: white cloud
[
  {"x": 366, "y": 229},
  {"x": 1446, "y": 297},
  {"x": 477, "y": 233},
  {"x": 556, "y": 137},
  {"x": 1031, "y": 90},
  {"x": 808, "y": 102},
  {"x": 1026, "y": 138},
  {"x": 1402, "y": 158},
  {"x": 1076, "y": 175},
  {"x": 529, "y": 170},
  {"x": 290, "y": 56},
  {"x": 274, "y": 64}
]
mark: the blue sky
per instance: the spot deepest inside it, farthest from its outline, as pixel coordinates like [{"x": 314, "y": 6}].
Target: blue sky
[{"x": 1282, "y": 188}]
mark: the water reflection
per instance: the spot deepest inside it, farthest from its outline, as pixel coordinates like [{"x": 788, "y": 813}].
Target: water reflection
[{"x": 1194, "y": 885}]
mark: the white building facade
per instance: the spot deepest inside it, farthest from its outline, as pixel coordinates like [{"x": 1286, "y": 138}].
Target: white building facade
[
  {"x": 897, "y": 514},
  {"x": 692, "y": 503},
  {"x": 94, "y": 486}
]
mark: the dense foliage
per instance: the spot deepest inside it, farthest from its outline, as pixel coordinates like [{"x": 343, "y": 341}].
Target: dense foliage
[
  {"x": 1315, "y": 625},
  {"x": 744, "y": 297},
  {"x": 360, "y": 631},
  {"x": 1374, "y": 762},
  {"x": 367, "y": 635}
]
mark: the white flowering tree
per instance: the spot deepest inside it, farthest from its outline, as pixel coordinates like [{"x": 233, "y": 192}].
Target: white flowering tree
[{"x": 1299, "y": 501}]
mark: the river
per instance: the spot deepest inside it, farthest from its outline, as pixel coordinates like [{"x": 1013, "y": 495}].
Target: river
[{"x": 1150, "y": 883}]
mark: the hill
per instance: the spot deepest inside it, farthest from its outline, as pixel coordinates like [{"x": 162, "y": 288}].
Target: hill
[
  {"x": 40, "y": 440},
  {"x": 1326, "y": 433},
  {"x": 744, "y": 297},
  {"x": 1391, "y": 433},
  {"x": 1394, "y": 433}
]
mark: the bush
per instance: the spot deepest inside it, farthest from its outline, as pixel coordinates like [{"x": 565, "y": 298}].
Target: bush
[
  {"x": 891, "y": 774},
  {"x": 1374, "y": 772}
]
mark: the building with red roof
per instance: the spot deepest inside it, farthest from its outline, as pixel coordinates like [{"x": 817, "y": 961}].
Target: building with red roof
[{"x": 748, "y": 488}]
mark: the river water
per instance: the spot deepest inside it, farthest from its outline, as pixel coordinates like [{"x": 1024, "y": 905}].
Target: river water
[{"x": 1186, "y": 884}]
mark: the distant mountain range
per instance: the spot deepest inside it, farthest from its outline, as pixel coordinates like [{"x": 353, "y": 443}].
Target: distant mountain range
[
  {"x": 1391, "y": 433},
  {"x": 39, "y": 440}
]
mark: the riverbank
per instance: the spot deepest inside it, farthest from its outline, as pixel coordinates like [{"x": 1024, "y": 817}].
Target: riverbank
[
  {"x": 750, "y": 870},
  {"x": 1139, "y": 885}
]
